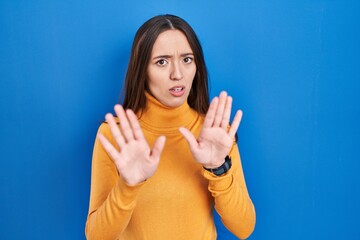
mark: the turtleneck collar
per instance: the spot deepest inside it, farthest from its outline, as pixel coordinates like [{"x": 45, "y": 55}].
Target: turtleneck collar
[{"x": 158, "y": 117}]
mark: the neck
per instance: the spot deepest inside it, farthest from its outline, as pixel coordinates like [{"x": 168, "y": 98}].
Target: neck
[{"x": 157, "y": 116}]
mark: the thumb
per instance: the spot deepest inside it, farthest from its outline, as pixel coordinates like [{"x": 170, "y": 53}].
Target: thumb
[
  {"x": 158, "y": 148},
  {"x": 189, "y": 137}
]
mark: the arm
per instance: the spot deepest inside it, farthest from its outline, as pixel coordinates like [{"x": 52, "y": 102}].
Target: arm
[
  {"x": 122, "y": 161},
  {"x": 112, "y": 200},
  {"x": 232, "y": 200},
  {"x": 215, "y": 141}
]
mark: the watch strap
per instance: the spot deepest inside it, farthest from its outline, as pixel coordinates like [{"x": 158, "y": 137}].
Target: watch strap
[{"x": 222, "y": 169}]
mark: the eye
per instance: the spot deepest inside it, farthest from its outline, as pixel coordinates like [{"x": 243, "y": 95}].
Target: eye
[
  {"x": 161, "y": 62},
  {"x": 188, "y": 60}
]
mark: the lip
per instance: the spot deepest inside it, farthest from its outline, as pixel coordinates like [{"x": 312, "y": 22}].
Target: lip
[{"x": 176, "y": 92}]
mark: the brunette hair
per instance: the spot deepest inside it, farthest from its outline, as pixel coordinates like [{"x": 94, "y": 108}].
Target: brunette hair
[{"x": 136, "y": 77}]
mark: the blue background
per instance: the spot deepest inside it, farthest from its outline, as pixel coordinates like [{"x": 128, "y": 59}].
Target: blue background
[{"x": 292, "y": 66}]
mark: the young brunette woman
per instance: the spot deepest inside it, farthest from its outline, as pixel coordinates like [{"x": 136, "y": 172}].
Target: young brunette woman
[{"x": 169, "y": 157}]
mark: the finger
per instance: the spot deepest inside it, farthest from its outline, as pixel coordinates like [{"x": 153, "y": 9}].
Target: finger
[
  {"x": 189, "y": 137},
  {"x": 220, "y": 109},
  {"x": 109, "y": 148},
  {"x": 134, "y": 122},
  {"x": 124, "y": 123},
  {"x": 226, "y": 117},
  {"x": 235, "y": 124},
  {"x": 157, "y": 149},
  {"x": 115, "y": 131},
  {"x": 210, "y": 115}
]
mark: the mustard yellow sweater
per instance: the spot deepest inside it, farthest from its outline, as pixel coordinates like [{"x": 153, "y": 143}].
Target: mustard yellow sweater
[{"x": 177, "y": 202}]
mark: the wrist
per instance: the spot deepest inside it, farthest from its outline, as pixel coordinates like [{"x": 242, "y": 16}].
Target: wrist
[
  {"x": 132, "y": 182},
  {"x": 214, "y": 165}
]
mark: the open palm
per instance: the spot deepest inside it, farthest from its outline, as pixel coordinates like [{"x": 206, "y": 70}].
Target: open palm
[
  {"x": 135, "y": 161},
  {"x": 216, "y": 138}
]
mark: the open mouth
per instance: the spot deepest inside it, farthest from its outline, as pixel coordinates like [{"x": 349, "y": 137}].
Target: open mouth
[{"x": 176, "y": 89}]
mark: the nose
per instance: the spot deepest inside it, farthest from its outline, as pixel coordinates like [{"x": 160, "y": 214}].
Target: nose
[{"x": 176, "y": 73}]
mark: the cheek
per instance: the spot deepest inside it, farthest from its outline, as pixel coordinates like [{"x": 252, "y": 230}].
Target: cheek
[
  {"x": 154, "y": 82},
  {"x": 151, "y": 77},
  {"x": 192, "y": 75},
  {"x": 194, "y": 70}
]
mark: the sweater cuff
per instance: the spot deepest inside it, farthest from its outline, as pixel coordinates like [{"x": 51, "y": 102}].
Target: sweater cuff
[
  {"x": 218, "y": 184},
  {"x": 127, "y": 195}
]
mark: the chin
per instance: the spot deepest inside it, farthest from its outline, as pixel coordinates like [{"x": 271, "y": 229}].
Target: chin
[{"x": 175, "y": 103}]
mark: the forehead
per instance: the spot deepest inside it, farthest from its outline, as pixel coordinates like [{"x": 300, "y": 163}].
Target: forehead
[{"x": 171, "y": 41}]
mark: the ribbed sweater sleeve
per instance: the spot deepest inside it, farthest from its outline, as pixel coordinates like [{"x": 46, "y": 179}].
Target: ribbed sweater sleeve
[
  {"x": 112, "y": 201},
  {"x": 232, "y": 200}
]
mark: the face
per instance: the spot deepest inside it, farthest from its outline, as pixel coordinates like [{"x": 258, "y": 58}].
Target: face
[{"x": 171, "y": 69}]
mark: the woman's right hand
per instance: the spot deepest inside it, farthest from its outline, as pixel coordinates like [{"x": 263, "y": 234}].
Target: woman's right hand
[{"x": 135, "y": 161}]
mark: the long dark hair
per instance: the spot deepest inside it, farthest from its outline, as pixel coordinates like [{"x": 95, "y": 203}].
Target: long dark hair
[{"x": 136, "y": 77}]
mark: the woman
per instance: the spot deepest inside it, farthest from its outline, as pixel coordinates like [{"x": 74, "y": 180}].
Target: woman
[{"x": 168, "y": 191}]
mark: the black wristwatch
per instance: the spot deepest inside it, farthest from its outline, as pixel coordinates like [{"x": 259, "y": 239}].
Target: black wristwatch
[{"x": 222, "y": 169}]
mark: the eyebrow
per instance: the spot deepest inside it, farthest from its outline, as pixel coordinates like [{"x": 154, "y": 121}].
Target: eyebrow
[{"x": 170, "y": 56}]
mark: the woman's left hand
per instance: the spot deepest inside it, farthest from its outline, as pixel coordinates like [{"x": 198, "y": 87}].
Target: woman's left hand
[{"x": 215, "y": 139}]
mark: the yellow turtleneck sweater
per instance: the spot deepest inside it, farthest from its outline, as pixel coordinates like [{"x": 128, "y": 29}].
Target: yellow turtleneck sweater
[{"x": 177, "y": 202}]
